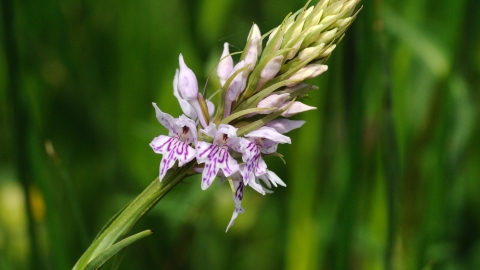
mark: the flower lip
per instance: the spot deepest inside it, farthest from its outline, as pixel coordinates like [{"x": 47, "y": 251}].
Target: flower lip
[{"x": 216, "y": 155}]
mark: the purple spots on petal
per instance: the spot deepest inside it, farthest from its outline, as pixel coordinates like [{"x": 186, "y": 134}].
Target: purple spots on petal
[
  {"x": 173, "y": 150},
  {"x": 239, "y": 191},
  {"x": 208, "y": 150}
]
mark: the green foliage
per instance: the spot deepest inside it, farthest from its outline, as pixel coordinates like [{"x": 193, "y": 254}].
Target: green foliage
[{"x": 384, "y": 174}]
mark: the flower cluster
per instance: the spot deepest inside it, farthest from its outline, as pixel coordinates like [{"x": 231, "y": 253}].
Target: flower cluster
[{"x": 258, "y": 94}]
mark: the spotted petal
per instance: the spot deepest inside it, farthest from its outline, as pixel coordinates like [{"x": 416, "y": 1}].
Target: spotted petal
[
  {"x": 273, "y": 178},
  {"x": 237, "y": 199},
  {"x": 172, "y": 150},
  {"x": 166, "y": 120},
  {"x": 215, "y": 158},
  {"x": 254, "y": 163}
]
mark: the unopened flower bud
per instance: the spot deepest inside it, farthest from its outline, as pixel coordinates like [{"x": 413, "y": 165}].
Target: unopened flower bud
[
  {"x": 295, "y": 47},
  {"x": 270, "y": 70},
  {"x": 272, "y": 101},
  {"x": 187, "y": 82},
  {"x": 312, "y": 34},
  {"x": 328, "y": 20},
  {"x": 296, "y": 30},
  {"x": 295, "y": 108},
  {"x": 349, "y": 6},
  {"x": 310, "y": 52},
  {"x": 283, "y": 126},
  {"x": 315, "y": 16},
  {"x": 251, "y": 55},
  {"x": 334, "y": 8},
  {"x": 279, "y": 41},
  {"x": 272, "y": 67},
  {"x": 307, "y": 72},
  {"x": 326, "y": 37},
  {"x": 308, "y": 12},
  {"x": 238, "y": 83},
  {"x": 225, "y": 66},
  {"x": 328, "y": 51},
  {"x": 255, "y": 33},
  {"x": 342, "y": 22}
]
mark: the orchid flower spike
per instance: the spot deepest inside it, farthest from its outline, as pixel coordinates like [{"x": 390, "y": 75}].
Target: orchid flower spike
[{"x": 257, "y": 95}]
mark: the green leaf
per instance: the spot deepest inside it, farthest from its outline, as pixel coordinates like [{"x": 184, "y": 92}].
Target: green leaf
[
  {"x": 109, "y": 252},
  {"x": 245, "y": 112}
]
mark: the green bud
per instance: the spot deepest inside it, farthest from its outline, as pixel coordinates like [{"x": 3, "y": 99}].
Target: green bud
[{"x": 327, "y": 37}]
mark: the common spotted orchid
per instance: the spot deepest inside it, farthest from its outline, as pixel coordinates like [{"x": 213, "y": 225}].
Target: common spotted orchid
[
  {"x": 176, "y": 146},
  {"x": 216, "y": 155},
  {"x": 264, "y": 140},
  {"x": 263, "y": 85}
]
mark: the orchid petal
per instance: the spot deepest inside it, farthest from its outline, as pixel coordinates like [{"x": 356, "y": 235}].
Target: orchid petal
[
  {"x": 237, "y": 199},
  {"x": 215, "y": 158},
  {"x": 268, "y": 133},
  {"x": 274, "y": 178},
  {"x": 166, "y": 119},
  {"x": 285, "y": 125},
  {"x": 261, "y": 167},
  {"x": 187, "y": 109},
  {"x": 172, "y": 149},
  {"x": 175, "y": 85},
  {"x": 191, "y": 135},
  {"x": 257, "y": 187},
  {"x": 250, "y": 155},
  {"x": 295, "y": 108},
  {"x": 228, "y": 130},
  {"x": 274, "y": 100},
  {"x": 265, "y": 180},
  {"x": 269, "y": 146},
  {"x": 210, "y": 130}
]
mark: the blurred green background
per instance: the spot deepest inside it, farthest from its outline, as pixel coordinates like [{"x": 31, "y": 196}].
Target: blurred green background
[{"x": 384, "y": 175}]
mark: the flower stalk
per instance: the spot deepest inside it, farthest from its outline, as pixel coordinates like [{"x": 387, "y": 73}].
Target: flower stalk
[{"x": 123, "y": 221}]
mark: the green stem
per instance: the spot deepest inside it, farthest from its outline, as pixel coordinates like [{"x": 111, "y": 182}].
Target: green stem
[{"x": 126, "y": 218}]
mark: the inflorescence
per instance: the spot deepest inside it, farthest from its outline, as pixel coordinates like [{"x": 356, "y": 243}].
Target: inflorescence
[{"x": 258, "y": 94}]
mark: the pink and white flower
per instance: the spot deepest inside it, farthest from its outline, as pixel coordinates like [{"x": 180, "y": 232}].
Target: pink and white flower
[
  {"x": 176, "y": 146},
  {"x": 216, "y": 155},
  {"x": 263, "y": 140}
]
